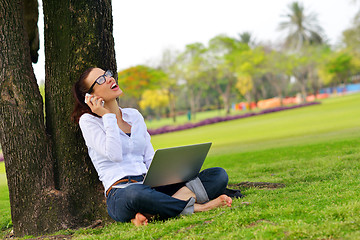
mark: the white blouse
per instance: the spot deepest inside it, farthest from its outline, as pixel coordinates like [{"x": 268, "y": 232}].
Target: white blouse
[{"x": 113, "y": 153}]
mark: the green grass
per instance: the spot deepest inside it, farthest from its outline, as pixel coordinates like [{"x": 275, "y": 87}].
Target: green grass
[
  {"x": 314, "y": 151},
  {"x": 5, "y": 218},
  {"x": 320, "y": 200},
  {"x": 335, "y": 118}
]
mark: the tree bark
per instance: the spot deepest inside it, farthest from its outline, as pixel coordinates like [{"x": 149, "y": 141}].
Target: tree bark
[
  {"x": 35, "y": 204},
  {"x": 52, "y": 182},
  {"x": 31, "y": 15},
  {"x": 78, "y": 35}
]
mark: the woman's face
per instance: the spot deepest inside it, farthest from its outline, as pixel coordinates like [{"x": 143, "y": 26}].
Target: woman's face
[{"x": 109, "y": 90}]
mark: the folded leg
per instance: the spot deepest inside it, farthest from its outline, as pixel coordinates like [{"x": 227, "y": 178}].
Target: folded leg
[{"x": 124, "y": 203}]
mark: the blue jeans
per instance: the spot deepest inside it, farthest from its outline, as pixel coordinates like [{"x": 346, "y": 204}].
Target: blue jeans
[{"x": 124, "y": 203}]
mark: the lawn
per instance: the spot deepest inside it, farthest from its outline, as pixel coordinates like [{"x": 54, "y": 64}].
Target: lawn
[
  {"x": 314, "y": 151},
  {"x": 334, "y": 119},
  {"x": 5, "y": 219}
]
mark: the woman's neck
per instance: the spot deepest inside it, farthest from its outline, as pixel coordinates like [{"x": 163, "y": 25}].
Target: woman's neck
[{"x": 113, "y": 107}]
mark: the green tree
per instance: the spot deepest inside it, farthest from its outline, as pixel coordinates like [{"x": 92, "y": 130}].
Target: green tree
[
  {"x": 300, "y": 72},
  {"x": 316, "y": 56},
  {"x": 169, "y": 64},
  {"x": 352, "y": 40},
  {"x": 135, "y": 80},
  {"x": 337, "y": 68},
  {"x": 351, "y": 36},
  {"x": 223, "y": 58},
  {"x": 302, "y": 28},
  {"x": 52, "y": 182},
  {"x": 245, "y": 86},
  {"x": 155, "y": 100},
  {"x": 191, "y": 63},
  {"x": 305, "y": 67},
  {"x": 247, "y": 38},
  {"x": 278, "y": 70},
  {"x": 248, "y": 70}
]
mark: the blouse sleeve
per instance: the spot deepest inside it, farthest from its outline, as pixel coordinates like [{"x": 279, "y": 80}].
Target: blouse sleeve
[
  {"x": 105, "y": 141},
  {"x": 149, "y": 150}
]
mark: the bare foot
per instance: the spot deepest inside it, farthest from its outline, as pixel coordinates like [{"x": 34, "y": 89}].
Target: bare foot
[
  {"x": 221, "y": 201},
  {"x": 139, "y": 220}
]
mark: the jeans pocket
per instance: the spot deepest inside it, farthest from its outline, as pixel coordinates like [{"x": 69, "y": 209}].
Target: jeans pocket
[{"x": 113, "y": 192}]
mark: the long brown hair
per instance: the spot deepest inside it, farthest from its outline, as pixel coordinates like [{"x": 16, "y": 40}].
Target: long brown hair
[{"x": 79, "y": 90}]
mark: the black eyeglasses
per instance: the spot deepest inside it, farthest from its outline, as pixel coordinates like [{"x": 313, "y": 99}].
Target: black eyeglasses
[{"x": 100, "y": 80}]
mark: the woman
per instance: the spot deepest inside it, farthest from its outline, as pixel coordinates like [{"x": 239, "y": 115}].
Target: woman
[{"x": 120, "y": 149}]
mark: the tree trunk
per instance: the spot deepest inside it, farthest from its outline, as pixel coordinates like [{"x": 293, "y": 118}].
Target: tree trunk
[
  {"x": 303, "y": 91},
  {"x": 225, "y": 95},
  {"x": 225, "y": 99},
  {"x": 315, "y": 83},
  {"x": 31, "y": 15},
  {"x": 315, "y": 90},
  {"x": 172, "y": 104},
  {"x": 198, "y": 95},
  {"x": 78, "y": 35},
  {"x": 35, "y": 204},
  {"x": 192, "y": 102},
  {"x": 52, "y": 182}
]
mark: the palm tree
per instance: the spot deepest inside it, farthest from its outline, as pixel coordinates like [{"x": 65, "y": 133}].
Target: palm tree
[
  {"x": 302, "y": 28},
  {"x": 247, "y": 38}
]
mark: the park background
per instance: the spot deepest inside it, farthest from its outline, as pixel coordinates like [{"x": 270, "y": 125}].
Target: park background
[
  {"x": 230, "y": 55},
  {"x": 232, "y": 75}
]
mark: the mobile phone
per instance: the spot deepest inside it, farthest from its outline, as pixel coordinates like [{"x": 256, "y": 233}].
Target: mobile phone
[{"x": 88, "y": 95}]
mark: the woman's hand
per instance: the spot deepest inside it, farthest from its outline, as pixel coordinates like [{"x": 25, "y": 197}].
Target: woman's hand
[{"x": 95, "y": 104}]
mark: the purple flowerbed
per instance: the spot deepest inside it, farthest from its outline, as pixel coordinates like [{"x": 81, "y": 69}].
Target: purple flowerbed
[
  {"x": 1, "y": 157},
  {"x": 167, "y": 129}
]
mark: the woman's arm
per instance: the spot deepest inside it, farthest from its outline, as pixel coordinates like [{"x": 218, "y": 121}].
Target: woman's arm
[{"x": 104, "y": 141}]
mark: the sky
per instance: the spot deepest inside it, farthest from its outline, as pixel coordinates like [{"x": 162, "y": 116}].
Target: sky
[{"x": 143, "y": 29}]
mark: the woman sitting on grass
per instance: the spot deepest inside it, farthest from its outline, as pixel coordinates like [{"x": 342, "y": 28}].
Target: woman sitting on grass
[{"x": 120, "y": 149}]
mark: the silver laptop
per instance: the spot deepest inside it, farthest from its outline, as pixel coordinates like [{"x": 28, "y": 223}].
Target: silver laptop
[{"x": 175, "y": 165}]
